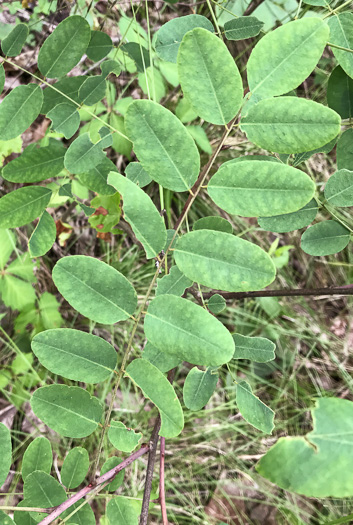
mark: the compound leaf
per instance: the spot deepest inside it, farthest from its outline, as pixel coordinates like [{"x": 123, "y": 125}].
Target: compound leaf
[
  {"x": 69, "y": 410},
  {"x": 75, "y": 467},
  {"x": 223, "y": 261},
  {"x": 122, "y": 511},
  {"x": 341, "y": 34},
  {"x": 83, "y": 155},
  {"x": 198, "y": 388},
  {"x": 179, "y": 327},
  {"x": 170, "y": 35},
  {"x": 290, "y": 125},
  {"x": 253, "y": 410},
  {"x": 19, "y": 109},
  {"x": 43, "y": 237},
  {"x": 161, "y": 360},
  {"x": 62, "y": 50},
  {"x": 284, "y": 58},
  {"x": 325, "y": 238},
  {"x": 242, "y": 27},
  {"x": 22, "y": 206},
  {"x": 209, "y": 77},
  {"x": 38, "y": 456},
  {"x": 75, "y": 355},
  {"x": 99, "y": 46},
  {"x": 260, "y": 189},
  {"x": 6, "y": 453},
  {"x": 258, "y": 349},
  {"x": 156, "y": 387},
  {"x": 140, "y": 212},
  {"x": 290, "y": 221},
  {"x": 166, "y": 150},
  {"x": 339, "y": 189},
  {"x": 13, "y": 43},
  {"x": 65, "y": 119},
  {"x": 216, "y": 304},
  {"x": 175, "y": 283},
  {"x": 324, "y": 454},
  {"x": 95, "y": 289},
  {"x": 123, "y": 438},
  {"x": 42, "y": 490}
]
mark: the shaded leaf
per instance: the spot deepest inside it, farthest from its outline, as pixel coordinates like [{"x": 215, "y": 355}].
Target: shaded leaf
[
  {"x": 200, "y": 137},
  {"x": 345, "y": 151},
  {"x": 135, "y": 172},
  {"x": 65, "y": 119},
  {"x": 122, "y": 511},
  {"x": 96, "y": 178},
  {"x": 19, "y": 207},
  {"x": 75, "y": 467},
  {"x": 290, "y": 221},
  {"x": 341, "y": 34},
  {"x": 6, "y": 453},
  {"x": 5, "y": 519},
  {"x": 223, "y": 261},
  {"x": 8, "y": 244},
  {"x": 340, "y": 92},
  {"x": 209, "y": 77},
  {"x": 179, "y": 327},
  {"x": 43, "y": 237},
  {"x": 242, "y": 27},
  {"x": 139, "y": 54},
  {"x": 19, "y": 109},
  {"x": 156, "y": 387},
  {"x": 69, "y": 410},
  {"x": 215, "y": 223},
  {"x": 38, "y": 456},
  {"x": 2, "y": 79},
  {"x": 164, "y": 362},
  {"x": 174, "y": 283},
  {"x": 99, "y": 46},
  {"x": 258, "y": 349},
  {"x": 216, "y": 304},
  {"x": 325, "y": 238},
  {"x": 253, "y": 410},
  {"x": 119, "y": 478},
  {"x": 95, "y": 289},
  {"x": 42, "y": 490},
  {"x": 123, "y": 438},
  {"x": 198, "y": 388},
  {"x": 339, "y": 189},
  {"x": 13, "y": 43},
  {"x": 75, "y": 355},
  {"x": 65, "y": 92},
  {"x": 83, "y": 155}
]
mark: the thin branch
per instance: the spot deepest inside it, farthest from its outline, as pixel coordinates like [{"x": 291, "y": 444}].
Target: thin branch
[
  {"x": 290, "y": 292},
  {"x": 149, "y": 473},
  {"x": 161, "y": 483},
  {"x": 252, "y": 6},
  {"x": 108, "y": 476}
]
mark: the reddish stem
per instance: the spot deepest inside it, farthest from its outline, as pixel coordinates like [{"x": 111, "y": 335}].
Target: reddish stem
[{"x": 161, "y": 483}]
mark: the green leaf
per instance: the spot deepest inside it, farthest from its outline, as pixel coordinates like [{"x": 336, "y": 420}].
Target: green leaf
[
  {"x": 302, "y": 157},
  {"x": 84, "y": 515},
  {"x": 6, "y": 453},
  {"x": 62, "y": 50},
  {"x": 59, "y": 91},
  {"x": 156, "y": 387},
  {"x": 36, "y": 164},
  {"x": 324, "y": 454},
  {"x": 42, "y": 490},
  {"x": 19, "y": 109},
  {"x": 179, "y": 327},
  {"x": 43, "y": 237},
  {"x": 174, "y": 283},
  {"x": 95, "y": 289},
  {"x": 340, "y": 92},
  {"x": 345, "y": 151},
  {"x": 339, "y": 189},
  {"x": 107, "y": 214},
  {"x": 261, "y": 189},
  {"x": 139, "y": 54},
  {"x": 13, "y": 43},
  {"x": 215, "y": 223},
  {"x": 253, "y": 410},
  {"x": 135, "y": 172},
  {"x": 200, "y": 137},
  {"x": 8, "y": 244},
  {"x": 119, "y": 478},
  {"x": 96, "y": 178},
  {"x": 290, "y": 125},
  {"x": 75, "y": 467},
  {"x": 69, "y": 410},
  {"x": 75, "y": 355},
  {"x": 170, "y": 35},
  {"x": 38, "y": 456},
  {"x": 184, "y": 111},
  {"x": 122, "y": 511},
  {"x": 83, "y": 155},
  {"x": 123, "y": 438},
  {"x": 256, "y": 349},
  {"x": 341, "y": 34},
  {"x": 198, "y": 388},
  {"x": 284, "y": 58},
  {"x": 242, "y": 27},
  {"x": 325, "y": 238},
  {"x": 2, "y": 80},
  {"x": 5, "y": 519},
  {"x": 223, "y": 261},
  {"x": 290, "y": 221},
  {"x": 152, "y": 83},
  {"x": 120, "y": 144},
  {"x": 164, "y": 362},
  {"x": 16, "y": 293},
  {"x": 209, "y": 77},
  {"x": 22, "y": 206},
  {"x": 99, "y": 46},
  {"x": 27, "y": 518},
  {"x": 93, "y": 90},
  {"x": 141, "y": 214},
  {"x": 162, "y": 144},
  {"x": 65, "y": 119},
  {"x": 216, "y": 304}
]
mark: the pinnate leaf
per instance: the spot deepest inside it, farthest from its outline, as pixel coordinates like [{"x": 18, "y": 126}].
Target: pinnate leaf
[
  {"x": 253, "y": 410},
  {"x": 162, "y": 144},
  {"x": 95, "y": 289},
  {"x": 339, "y": 189},
  {"x": 69, "y": 410},
  {"x": 179, "y": 327},
  {"x": 198, "y": 388},
  {"x": 22, "y": 206},
  {"x": 156, "y": 387},
  {"x": 290, "y": 125},
  {"x": 209, "y": 77},
  {"x": 43, "y": 237},
  {"x": 75, "y": 355},
  {"x": 75, "y": 467},
  {"x": 223, "y": 261},
  {"x": 242, "y": 27},
  {"x": 38, "y": 456},
  {"x": 325, "y": 238},
  {"x": 13, "y": 43},
  {"x": 62, "y": 50},
  {"x": 42, "y": 490},
  {"x": 123, "y": 438},
  {"x": 258, "y": 349},
  {"x": 19, "y": 109}
]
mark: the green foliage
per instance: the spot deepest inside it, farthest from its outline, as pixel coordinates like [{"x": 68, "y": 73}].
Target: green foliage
[
  {"x": 198, "y": 388},
  {"x": 6, "y": 452},
  {"x": 340, "y": 93},
  {"x": 290, "y": 221},
  {"x": 175, "y": 283},
  {"x": 13, "y": 43},
  {"x": 123, "y": 438},
  {"x": 216, "y": 304},
  {"x": 339, "y": 189},
  {"x": 325, "y": 238},
  {"x": 256, "y": 349},
  {"x": 253, "y": 410},
  {"x": 122, "y": 510},
  {"x": 38, "y": 456},
  {"x": 341, "y": 35},
  {"x": 43, "y": 237},
  {"x": 19, "y": 109},
  {"x": 99, "y": 46},
  {"x": 42, "y": 490},
  {"x": 75, "y": 467}
]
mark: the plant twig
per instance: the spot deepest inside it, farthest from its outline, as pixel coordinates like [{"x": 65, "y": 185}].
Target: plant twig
[
  {"x": 161, "y": 483},
  {"x": 290, "y": 292},
  {"x": 252, "y": 6},
  {"x": 108, "y": 476},
  {"x": 149, "y": 473}
]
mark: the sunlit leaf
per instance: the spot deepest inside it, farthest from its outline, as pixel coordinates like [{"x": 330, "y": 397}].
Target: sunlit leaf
[
  {"x": 123, "y": 438},
  {"x": 122, "y": 511}
]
